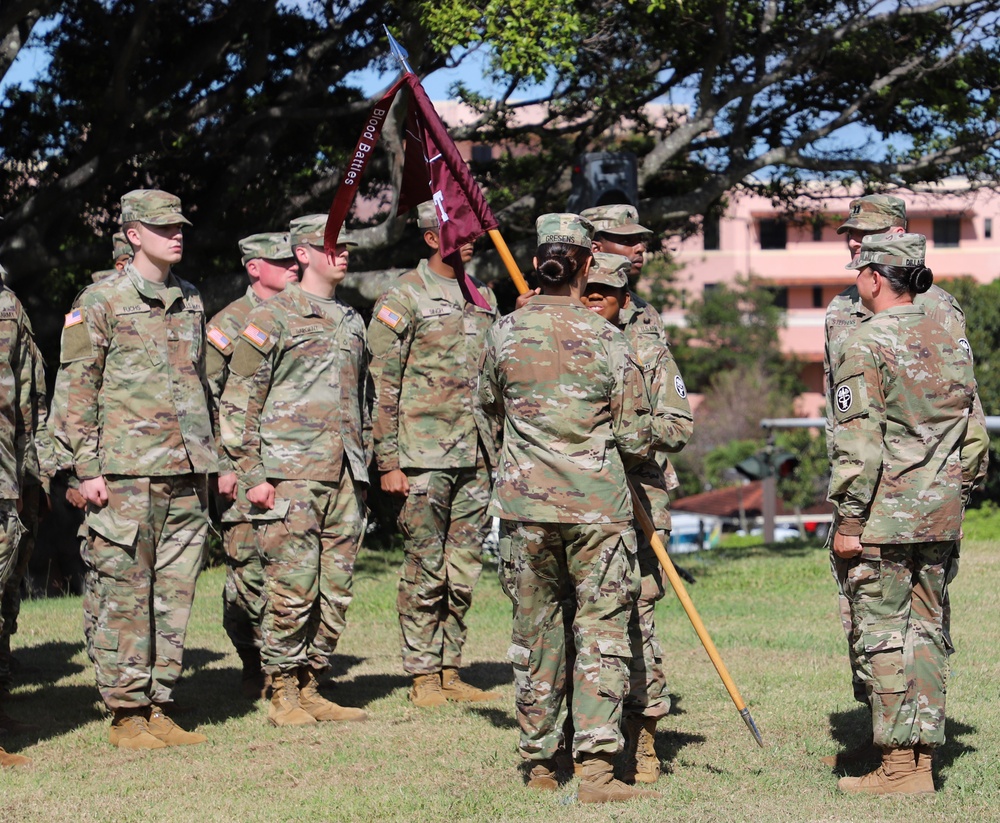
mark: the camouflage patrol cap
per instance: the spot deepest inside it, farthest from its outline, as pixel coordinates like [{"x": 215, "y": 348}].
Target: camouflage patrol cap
[
  {"x": 120, "y": 246},
  {"x": 266, "y": 246},
  {"x": 153, "y": 207},
  {"x": 564, "y": 228},
  {"x": 309, "y": 230},
  {"x": 617, "y": 219},
  {"x": 875, "y": 212},
  {"x": 610, "y": 270},
  {"x": 427, "y": 216},
  {"x": 890, "y": 250}
]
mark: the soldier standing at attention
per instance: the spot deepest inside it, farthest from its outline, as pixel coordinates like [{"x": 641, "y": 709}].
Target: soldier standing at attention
[
  {"x": 138, "y": 425},
  {"x": 874, "y": 214},
  {"x": 294, "y": 422},
  {"x": 572, "y": 403},
  {"x": 434, "y": 448},
  {"x": 648, "y": 700},
  {"x": 270, "y": 264},
  {"x": 903, "y": 395},
  {"x": 16, "y": 376}
]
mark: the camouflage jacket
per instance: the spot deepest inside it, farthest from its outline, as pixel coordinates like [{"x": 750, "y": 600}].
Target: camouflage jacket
[
  {"x": 571, "y": 400},
  {"x": 425, "y": 341},
  {"x": 16, "y": 380},
  {"x": 136, "y": 395},
  {"x": 904, "y": 460},
  {"x": 670, "y": 419},
  {"x": 223, "y": 330},
  {"x": 36, "y": 437},
  {"x": 294, "y": 405}
]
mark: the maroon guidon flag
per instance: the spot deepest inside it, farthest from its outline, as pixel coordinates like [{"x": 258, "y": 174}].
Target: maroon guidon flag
[{"x": 433, "y": 170}]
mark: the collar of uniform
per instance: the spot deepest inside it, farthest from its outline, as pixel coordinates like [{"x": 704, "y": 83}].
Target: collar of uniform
[
  {"x": 433, "y": 287},
  {"x": 167, "y": 295},
  {"x": 303, "y": 304},
  {"x": 556, "y": 300},
  {"x": 906, "y": 308},
  {"x": 254, "y": 298}
]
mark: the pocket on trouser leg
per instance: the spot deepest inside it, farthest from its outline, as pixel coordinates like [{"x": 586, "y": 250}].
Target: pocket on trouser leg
[
  {"x": 883, "y": 647},
  {"x": 524, "y": 690},
  {"x": 614, "y": 672},
  {"x": 105, "y": 646}
]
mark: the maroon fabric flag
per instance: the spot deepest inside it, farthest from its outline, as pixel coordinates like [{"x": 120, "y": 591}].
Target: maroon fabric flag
[{"x": 433, "y": 169}]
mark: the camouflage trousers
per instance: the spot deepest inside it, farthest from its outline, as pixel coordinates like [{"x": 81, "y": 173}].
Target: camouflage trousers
[
  {"x": 841, "y": 567},
  {"x": 11, "y": 530},
  {"x": 308, "y": 570},
  {"x": 91, "y": 594},
  {"x": 147, "y": 546},
  {"x": 594, "y": 566},
  {"x": 898, "y": 592},
  {"x": 647, "y": 693},
  {"x": 243, "y": 594},
  {"x": 10, "y": 608},
  {"x": 444, "y": 524}
]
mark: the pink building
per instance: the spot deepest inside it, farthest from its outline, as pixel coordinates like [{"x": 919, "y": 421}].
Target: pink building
[{"x": 803, "y": 257}]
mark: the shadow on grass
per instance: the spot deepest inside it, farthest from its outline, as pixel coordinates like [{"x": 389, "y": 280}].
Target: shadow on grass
[
  {"x": 669, "y": 743},
  {"x": 488, "y": 673},
  {"x": 47, "y": 663},
  {"x": 367, "y": 688},
  {"x": 207, "y": 693},
  {"x": 500, "y": 718}
]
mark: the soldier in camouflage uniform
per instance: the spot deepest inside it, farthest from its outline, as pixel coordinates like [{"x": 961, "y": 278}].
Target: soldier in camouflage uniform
[
  {"x": 121, "y": 251},
  {"x": 572, "y": 402},
  {"x": 906, "y": 454},
  {"x": 270, "y": 265},
  {"x": 295, "y": 422},
  {"x": 873, "y": 214},
  {"x": 434, "y": 449},
  {"x": 16, "y": 377},
  {"x": 648, "y": 700},
  {"x": 138, "y": 424}
]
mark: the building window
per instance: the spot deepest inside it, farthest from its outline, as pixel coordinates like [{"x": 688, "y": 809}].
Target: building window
[
  {"x": 947, "y": 230},
  {"x": 988, "y": 228},
  {"x": 482, "y": 153},
  {"x": 773, "y": 234},
  {"x": 818, "y": 301},
  {"x": 780, "y": 295},
  {"x": 817, "y": 231},
  {"x": 710, "y": 226}
]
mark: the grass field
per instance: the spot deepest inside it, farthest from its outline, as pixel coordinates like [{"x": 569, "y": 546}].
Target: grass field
[{"x": 771, "y": 612}]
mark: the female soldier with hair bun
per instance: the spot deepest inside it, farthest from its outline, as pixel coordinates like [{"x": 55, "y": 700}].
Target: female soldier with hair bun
[
  {"x": 906, "y": 454},
  {"x": 572, "y": 402}
]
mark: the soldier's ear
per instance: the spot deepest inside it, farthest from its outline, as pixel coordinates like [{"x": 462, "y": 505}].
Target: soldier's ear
[{"x": 431, "y": 239}]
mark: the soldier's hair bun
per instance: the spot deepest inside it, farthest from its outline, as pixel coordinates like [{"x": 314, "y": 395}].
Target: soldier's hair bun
[
  {"x": 558, "y": 263},
  {"x": 921, "y": 279}
]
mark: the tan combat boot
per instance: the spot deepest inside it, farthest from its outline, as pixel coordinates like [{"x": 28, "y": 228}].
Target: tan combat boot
[
  {"x": 599, "y": 785},
  {"x": 284, "y": 709},
  {"x": 457, "y": 690},
  {"x": 542, "y": 776},
  {"x": 641, "y": 763},
  {"x": 898, "y": 774},
  {"x": 163, "y": 728},
  {"x": 130, "y": 730},
  {"x": 426, "y": 691},
  {"x": 9, "y": 761},
  {"x": 319, "y": 707},
  {"x": 853, "y": 758}
]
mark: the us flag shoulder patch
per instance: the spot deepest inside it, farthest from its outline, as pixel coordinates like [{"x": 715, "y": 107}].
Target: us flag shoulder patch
[
  {"x": 218, "y": 337},
  {"x": 389, "y": 317},
  {"x": 255, "y": 335},
  {"x": 74, "y": 317}
]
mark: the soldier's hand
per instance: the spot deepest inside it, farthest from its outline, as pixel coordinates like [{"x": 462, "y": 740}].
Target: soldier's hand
[
  {"x": 262, "y": 496},
  {"x": 395, "y": 482},
  {"x": 227, "y": 485},
  {"x": 846, "y": 545},
  {"x": 95, "y": 491},
  {"x": 524, "y": 299},
  {"x": 75, "y": 499}
]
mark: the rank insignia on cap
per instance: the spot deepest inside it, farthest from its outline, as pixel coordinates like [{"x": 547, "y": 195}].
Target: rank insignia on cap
[
  {"x": 389, "y": 317},
  {"x": 74, "y": 317},
  {"x": 255, "y": 335},
  {"x": 217, "y": 336}
]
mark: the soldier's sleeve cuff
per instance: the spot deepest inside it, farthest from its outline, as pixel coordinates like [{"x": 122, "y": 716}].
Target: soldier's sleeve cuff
[
  {"x": 851, "y": 526},
  {"x": 385, "y": 464},
  {"x": 90, "y": 469},
  {"x": 254, "y": 477}
]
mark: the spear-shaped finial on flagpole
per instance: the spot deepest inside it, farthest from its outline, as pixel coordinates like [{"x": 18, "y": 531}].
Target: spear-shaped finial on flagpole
[{"x": 398, "y": 52}]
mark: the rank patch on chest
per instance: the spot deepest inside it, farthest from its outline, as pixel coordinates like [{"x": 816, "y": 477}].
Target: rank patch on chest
[
  {"x": 218, "y": 337},
  {"x": 389, "y": 317},
  {"x": 74, "y": 317},
  {"x": 845, "y": 397},
  {"x": 255, "y": 335}
]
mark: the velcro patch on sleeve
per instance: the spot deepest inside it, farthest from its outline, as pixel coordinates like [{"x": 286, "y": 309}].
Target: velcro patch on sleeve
[
  {"x": 76, "y": 342},
  {"x": 850, "y": 398},
  {"x": 246, "y": 358}
]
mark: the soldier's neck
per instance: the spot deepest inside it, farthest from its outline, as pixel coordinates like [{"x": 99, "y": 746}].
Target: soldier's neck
[
  {"x": 437, "y": 265},
  {"x": 152, "y": 270}
]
